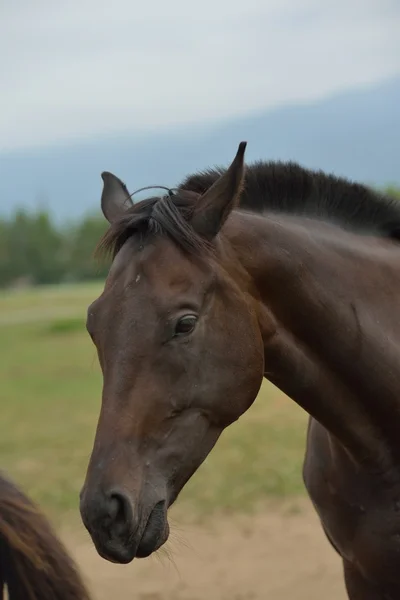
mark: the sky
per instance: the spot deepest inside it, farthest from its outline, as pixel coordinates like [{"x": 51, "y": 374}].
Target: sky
[{"x": 85, "y": 68}]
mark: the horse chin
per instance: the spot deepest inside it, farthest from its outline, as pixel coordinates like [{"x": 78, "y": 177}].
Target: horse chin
[
  {"x": 156, "y": 532},
  {"x": 148, "y": 546}
]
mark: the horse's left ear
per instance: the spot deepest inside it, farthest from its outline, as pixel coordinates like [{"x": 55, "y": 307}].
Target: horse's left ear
[
  {"x": 214, "y": 206},
  {"x": 115, "y": 199}
]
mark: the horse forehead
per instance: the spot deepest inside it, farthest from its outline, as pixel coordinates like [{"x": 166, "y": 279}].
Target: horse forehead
[
  {"x": 167, "y": 268},
  {"x": 157, "y": 270},
  {"x": 123, "y": 266}
]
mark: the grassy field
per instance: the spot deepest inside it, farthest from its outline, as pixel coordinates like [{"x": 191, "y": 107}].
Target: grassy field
[{"x": 50, "y": 395}]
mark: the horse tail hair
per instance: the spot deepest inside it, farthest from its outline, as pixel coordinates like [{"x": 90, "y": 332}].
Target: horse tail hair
[{"x": 34, "y": 564}]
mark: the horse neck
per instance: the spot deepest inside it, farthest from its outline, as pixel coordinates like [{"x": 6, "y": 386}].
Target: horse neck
[{"x": 323, "y": 312}]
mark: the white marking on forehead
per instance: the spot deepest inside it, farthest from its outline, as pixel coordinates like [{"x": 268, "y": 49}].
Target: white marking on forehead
[{"x": 137, "y": 278}]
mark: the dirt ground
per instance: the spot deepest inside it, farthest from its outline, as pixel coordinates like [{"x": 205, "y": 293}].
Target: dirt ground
[{"x": 278, "y": 553}]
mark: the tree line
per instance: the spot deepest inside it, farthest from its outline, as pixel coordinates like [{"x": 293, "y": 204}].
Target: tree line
[{"x": 35, "y": 250}]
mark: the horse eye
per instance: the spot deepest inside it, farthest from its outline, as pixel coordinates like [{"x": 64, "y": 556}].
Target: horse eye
[{"x": 185, "y": 325}]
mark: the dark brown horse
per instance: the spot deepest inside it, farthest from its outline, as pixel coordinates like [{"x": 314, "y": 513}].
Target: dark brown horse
[
  {"x": 278, "y": 272},
  {"x": 34, "y": 565}
]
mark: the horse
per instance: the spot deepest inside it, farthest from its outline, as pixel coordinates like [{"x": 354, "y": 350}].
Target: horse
[
  {"x": 34, "y": 565},
  {"x": 242, "y": 273}
]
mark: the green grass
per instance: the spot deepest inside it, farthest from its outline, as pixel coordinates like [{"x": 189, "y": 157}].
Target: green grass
[
  {"x": 50, "y": 399},
  {"x": 67, "y": 325},
  {"x": 49, "y": 296}
]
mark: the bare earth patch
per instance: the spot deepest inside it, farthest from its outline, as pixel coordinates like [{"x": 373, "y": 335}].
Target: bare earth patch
[{"x": 276, "y": 553}]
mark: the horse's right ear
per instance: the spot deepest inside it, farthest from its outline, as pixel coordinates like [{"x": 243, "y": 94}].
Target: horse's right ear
[
  {"x": 216, "y": 204},
  {"x": 115, "y": 198}
]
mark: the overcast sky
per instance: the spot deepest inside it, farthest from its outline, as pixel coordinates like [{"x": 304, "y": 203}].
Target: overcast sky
[{"x": 83, "y": 68}]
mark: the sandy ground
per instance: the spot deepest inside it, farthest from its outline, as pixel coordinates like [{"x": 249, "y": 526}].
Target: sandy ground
[{"x": 277, "y": 554}]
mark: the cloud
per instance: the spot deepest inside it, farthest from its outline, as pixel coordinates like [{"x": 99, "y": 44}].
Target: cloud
[{"x": 83, "y": 68}]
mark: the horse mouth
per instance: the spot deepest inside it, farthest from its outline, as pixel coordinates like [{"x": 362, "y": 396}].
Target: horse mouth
[
  {"x": 122, "y": 550},
  {"x": 114, "y": 552}
]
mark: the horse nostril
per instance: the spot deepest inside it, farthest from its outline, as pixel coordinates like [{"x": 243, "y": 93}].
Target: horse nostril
[
  {"x": 114, "y": 507},
  {"x": 120, "y": 509}
]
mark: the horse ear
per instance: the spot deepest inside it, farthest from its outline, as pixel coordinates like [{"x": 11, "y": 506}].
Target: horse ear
[
  {"x": 215, "y": 205},
  {"x": 115, "y": 199}
]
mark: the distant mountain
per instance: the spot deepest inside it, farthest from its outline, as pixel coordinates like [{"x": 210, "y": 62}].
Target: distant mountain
[{"x": 355, "y": 134}]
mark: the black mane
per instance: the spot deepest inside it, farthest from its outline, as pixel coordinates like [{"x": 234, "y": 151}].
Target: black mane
[
  {"x": 278, "y": 187},
  {"x": 273, "y": 187},
  {"x": 169, "y": 215}
]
